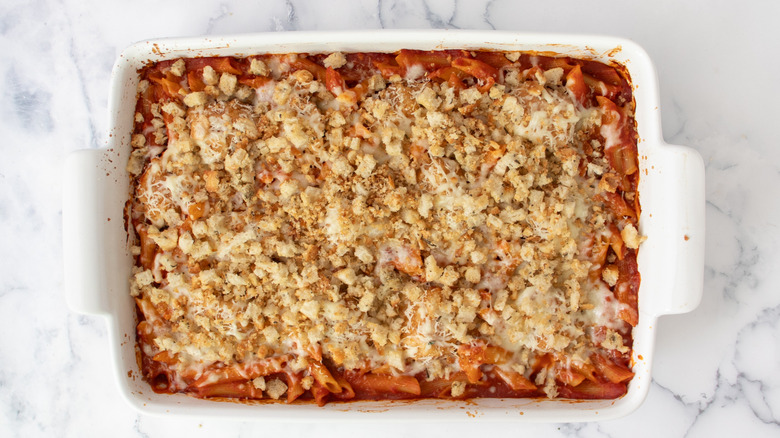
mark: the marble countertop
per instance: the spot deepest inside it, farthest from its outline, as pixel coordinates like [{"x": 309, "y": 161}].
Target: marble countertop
[{"x": 715, "y": 369}]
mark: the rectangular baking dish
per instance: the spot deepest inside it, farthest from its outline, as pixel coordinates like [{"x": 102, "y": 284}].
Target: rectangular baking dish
[{"x": 97, "y": 251}]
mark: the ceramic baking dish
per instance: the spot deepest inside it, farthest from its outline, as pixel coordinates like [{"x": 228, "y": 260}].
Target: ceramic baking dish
[{"x": 98, "y": 262}]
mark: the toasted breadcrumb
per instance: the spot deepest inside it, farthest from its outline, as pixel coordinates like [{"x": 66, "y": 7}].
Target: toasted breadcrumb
[
  {"x": 335, "y": 60},
  {"x": 276, "y": 388},
  {"x": 258, "y": 67},
  {"x": 631, "y": 236}
]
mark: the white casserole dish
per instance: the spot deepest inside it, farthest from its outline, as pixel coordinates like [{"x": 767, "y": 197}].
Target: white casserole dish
[{"x": 97, "y": 253}]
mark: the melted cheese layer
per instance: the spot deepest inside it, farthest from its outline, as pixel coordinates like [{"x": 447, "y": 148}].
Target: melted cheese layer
[{"x": 384, "y": 234}]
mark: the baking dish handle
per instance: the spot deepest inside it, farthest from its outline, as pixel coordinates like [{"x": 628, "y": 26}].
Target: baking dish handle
[
  {"x": 687, "y": 202},
  {"x": 84, "y": 281}
]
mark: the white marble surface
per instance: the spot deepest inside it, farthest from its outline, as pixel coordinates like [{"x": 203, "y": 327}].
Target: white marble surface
[{"x": 716, "y": 369}]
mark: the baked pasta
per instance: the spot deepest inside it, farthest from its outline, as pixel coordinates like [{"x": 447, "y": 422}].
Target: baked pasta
[{"x": 330, "y": 227}]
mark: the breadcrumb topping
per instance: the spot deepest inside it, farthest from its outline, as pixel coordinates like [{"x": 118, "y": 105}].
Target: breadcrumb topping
[{"x": 381, "y": 233}]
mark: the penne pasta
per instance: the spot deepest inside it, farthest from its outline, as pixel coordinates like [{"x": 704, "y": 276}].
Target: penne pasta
[{"x": 420, "y": 224}]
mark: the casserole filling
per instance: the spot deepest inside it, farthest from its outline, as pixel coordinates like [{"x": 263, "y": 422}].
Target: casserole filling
[{"x": 451, "y": 224}]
